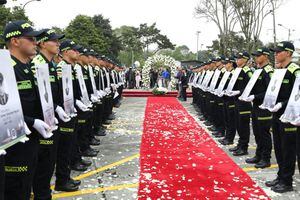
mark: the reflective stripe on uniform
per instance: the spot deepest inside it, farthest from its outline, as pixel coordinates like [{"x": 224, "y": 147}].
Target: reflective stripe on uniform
[
  {"x": 16, "y": 169},
  {"x": 231, "y": 106},
  {"x": 81, "y": 121},
  {"x": 264, "y": 118},
  {"x": 46, "y": 142},
  {"x": 24, "y": 85},
  {"x": 220, "y": 104},
  {"x": 290, "y": 129},
  {"x": 245, "y": 112},
  {"x": 69, "y": 130},
  {"x": 211, "y": 101}
]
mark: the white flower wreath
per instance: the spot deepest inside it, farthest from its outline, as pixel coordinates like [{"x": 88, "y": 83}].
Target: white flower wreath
[{"x": 156, "y": 61}]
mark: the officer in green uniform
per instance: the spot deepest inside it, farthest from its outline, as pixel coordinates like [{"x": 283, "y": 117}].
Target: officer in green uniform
[
  {"x": 284, "y": 135},
  {"x": 261, "y": 119},
  {"x": 21, "y": 159},
  {"x": 243, "y": 109},
  {"x": 48, "y": 45}
]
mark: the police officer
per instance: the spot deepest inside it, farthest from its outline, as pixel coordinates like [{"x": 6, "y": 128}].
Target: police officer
[
  {"x": 261, "y": 119},
  {"x": 284, "y": 135},
  {"x": 243, "y": 109},
  {"x": 69, "y": 53},
  {"x": 48, "y": 45},
  {"x": 229, "y": 106},
  {"x": 21, "y": 159}
]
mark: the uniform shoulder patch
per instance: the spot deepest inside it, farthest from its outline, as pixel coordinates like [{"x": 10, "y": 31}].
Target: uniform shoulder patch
[
  {"x": 269, "y": 69},
  {"x": 13, "y": 63},
  {"x": 246, "y": 69},
  {"x": 293, "y": 67},
  {"x": 38, "y": 60}
]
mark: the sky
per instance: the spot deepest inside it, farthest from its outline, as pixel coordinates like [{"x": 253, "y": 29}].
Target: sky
[{"x": 175, "y": 18}]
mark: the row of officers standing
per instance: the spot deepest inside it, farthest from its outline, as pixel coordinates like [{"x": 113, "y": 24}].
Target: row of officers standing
[
  {"x": 228, "y": 101},
  {"x": 28, "y": 166}
]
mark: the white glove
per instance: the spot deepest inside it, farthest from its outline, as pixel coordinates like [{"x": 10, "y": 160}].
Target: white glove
[
  {"x": 221, "y": 94},
  {"x": 23, "y": 140},
  {"x": 81, "y": 106},
  {"x": 276, "y": 107},
  {"x": 27, "y": 130},
  {"x": 2, "y": 152},
  {"x": 234, "y": 93},
  {"x": 94, "y": 99},
  {"x": 62, "y": 114},
  {"x": 296, "y": 122},
  {"x": 250, "y": 98},
  {"x": 107, "y": 90},
  {"x": 42, "y": 128}
]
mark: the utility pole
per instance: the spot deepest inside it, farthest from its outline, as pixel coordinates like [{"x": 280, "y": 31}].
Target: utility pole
[
  {"x": 197, "y": 54},
  {"x": 274, "y": 22}
]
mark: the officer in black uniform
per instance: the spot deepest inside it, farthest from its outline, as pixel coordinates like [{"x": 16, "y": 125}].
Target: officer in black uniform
[
  {"x": 284, "y": 135},
  {"x": 243, "y": 109},
  {"x": 229, "y": 107},
  {"x": 261, "y": 119},
  {"x": 48, "y": 45},
  {"x": 69, "y": 53},
  {"x": 21, "y": 159}
]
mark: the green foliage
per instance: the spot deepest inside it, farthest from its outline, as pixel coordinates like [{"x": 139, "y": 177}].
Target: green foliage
[
  {"x": 180, "y": 53},
  {"x": 103, "y": 27},
  {"x": 156, "y": 92},
  {"x": 83, "y": 31},
  {"x": 10, "y": 14}
]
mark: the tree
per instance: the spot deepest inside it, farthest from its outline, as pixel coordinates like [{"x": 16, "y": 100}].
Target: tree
[
  {"x": 103, "y": 26},
  {"x": 10, "y": 14},
  {"x": 179, "y": 53},
  {"x": 150, "y": 35},
  {"x": 251, "y": 15},
  {"x": 221, "y": 13},
  {"x": 131, "y": 46},
  {"x": 83, "y": 31}
]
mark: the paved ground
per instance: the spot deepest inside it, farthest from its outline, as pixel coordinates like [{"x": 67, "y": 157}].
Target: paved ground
[{"x": 115, "y": 173}]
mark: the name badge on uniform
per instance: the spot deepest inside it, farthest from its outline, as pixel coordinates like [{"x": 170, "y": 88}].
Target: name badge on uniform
[
  {"x": 233, "y": 80},
  {"x": 43, "y": 82},
  {"x": 273, "y": 89},
  {"x": 250, "y": 84},
  {"x": 11, "y": 115},
  {"x": 67, "y": 85},
  {"x": 292, "y": 111},
  {"x": 222, "y": 83}
]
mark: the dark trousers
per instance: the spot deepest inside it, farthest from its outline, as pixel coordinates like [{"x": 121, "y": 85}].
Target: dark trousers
[
  {"x": 261, "y": 122},
  {"x": 2, "y": 177},
  {"x": 243, "y": 110},
  {"x": 45, "y": 167},
  {"x": 285, "y": 146},
  {"x": 20, "y": 165},
  {"x": 68, "y": 134},
  {"x": 98, "y": 117},
  {"x": 183, "y": 93},
  {"x": 230, "y": 120}
]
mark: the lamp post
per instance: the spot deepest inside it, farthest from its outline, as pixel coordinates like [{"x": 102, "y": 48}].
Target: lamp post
[
  {"x": 197, "y": 54},
  {"x": 29, "y": 2},
  {"x": 289, "y": 30}
]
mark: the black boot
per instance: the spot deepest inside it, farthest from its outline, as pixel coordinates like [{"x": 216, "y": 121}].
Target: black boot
[
  {"x": 75, "y": 182},
  {"x": 86, "y": 163},
  {"x": 226, "y": 142},
  {"x": 79, "y": 167},
  {"x": 253, "y": 160},
  {"x": 234, "y": 148},
  {"x": 240, "y": 152},
  {"x": 94, "y": 142},
  {"x": 262, "y": 164},
  {"x": 67, "y": 187},
  {"x": 282, "y": 188},
  {"x": 272, "y": 183}
]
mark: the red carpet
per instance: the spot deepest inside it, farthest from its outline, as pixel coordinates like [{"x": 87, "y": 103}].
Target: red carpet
[
  {"x": 179, "y": 160},
  {"x": 145, "y": 93}
]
